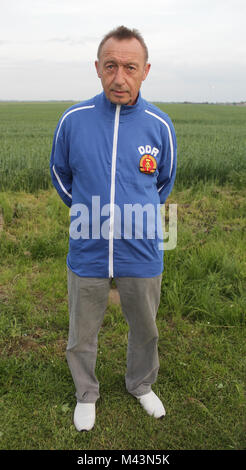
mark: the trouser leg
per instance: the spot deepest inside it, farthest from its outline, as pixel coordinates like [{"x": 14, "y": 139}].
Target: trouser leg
[
  {"x": 87, "y": 299},
  {"x": 140, "y": 299}
]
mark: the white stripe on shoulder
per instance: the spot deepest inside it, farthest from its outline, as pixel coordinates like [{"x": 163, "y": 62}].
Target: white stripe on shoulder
[
  {"x": 60, "y": 183},
  {"x": 169, "y": 134},
  {"x": 70, "y": 112},
  {"x": 58, "y": 131}
]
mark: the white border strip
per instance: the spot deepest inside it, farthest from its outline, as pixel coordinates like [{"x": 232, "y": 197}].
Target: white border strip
[
  {"x": 70, "y": 112},
  {"x": 58, "y": 131},
  {"x": 60, "y": 183},
  {"x": 170, "y": 139},
  {"x": 112, "y": 192}
]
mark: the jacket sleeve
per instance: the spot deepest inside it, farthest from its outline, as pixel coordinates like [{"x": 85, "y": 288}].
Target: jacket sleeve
[
  {"x": 61, "y": 174},
  {"x": 168, "y": 164}
]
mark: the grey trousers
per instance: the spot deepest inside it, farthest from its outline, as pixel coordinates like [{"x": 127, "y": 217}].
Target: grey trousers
[{"x": 88, "y": 298}]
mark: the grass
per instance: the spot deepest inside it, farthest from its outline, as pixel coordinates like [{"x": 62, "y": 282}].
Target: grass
[
  {"x": 204, "y": 399},
  {"x": 211, "y": 143},
  {"x": 201, "y": 318},
  {"x": 201, "y": 321},
  {"x": 26, "y": 132}
]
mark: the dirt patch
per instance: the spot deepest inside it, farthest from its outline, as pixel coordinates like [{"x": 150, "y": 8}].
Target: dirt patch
[
  {"x": 114, "y": 297},
  {"x": 19, "y": 345},
  {"x": 28, "y": 344}
]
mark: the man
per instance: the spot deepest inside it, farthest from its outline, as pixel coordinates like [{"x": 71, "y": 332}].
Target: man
[{"x": 113, "y": 163}]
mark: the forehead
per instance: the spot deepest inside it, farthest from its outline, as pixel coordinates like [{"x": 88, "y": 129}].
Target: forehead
[{"x": 125, "y": 50}]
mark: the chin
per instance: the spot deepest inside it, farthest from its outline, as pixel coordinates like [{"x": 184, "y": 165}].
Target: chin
[{"x": 121, "y": 102}]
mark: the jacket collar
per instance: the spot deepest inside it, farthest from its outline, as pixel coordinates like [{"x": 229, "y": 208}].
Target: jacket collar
[{"x": 126, "y": 111}]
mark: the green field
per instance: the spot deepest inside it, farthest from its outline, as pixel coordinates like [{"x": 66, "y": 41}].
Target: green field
[
  {"x": 211, "y": 143},
  {"x": 201, "y": 319}
]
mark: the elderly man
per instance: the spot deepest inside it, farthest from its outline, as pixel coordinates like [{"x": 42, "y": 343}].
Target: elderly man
[{"x": 113, "y": 163}]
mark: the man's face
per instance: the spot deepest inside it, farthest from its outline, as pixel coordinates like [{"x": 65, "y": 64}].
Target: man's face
[{"x": 122, "y": 68}]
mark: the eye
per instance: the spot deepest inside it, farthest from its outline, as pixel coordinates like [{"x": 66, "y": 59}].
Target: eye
[
  {"x": 130, "y": 69},
  {"x": 109, "y": 67}
]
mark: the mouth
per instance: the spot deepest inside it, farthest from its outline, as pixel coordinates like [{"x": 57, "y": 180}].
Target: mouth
[{"x": 119, "y": 92}]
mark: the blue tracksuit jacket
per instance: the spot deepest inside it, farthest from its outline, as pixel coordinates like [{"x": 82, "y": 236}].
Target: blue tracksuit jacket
[{"x": 114, "y": 166}]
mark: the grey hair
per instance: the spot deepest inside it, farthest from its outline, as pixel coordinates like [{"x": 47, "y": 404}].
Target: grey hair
[{"x": 120, "y": 33}]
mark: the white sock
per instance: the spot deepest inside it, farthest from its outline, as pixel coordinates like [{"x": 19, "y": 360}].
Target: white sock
[
  {"x": 84, "y": 416},
  {"x": 152, "y": 404}
]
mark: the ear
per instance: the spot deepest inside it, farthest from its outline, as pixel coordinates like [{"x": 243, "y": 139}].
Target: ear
[
  {"x": 146, "y": 71},
  {"x": 97, "y": 68}
]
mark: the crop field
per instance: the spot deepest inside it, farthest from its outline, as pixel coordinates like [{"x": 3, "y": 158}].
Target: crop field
[
  {"x": 202, "y": 314},
  {"x": 211, "y": 142}
]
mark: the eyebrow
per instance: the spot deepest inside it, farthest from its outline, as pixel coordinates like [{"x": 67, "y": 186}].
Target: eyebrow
[{"x": 112, "y": 61}]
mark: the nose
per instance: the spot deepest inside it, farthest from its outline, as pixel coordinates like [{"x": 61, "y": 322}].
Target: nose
[{"x": 119, "y": 78}]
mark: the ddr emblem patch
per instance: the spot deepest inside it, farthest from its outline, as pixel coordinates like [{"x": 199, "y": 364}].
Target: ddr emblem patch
[{"x": 147, "y": 164}]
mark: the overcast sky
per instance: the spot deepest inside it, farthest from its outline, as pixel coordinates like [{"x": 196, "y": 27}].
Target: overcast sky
[{"x": 197, "y": 48}]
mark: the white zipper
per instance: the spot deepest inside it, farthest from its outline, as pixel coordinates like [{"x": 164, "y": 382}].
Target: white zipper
[{"x": 112, "y": 192}]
